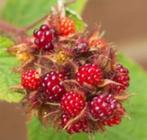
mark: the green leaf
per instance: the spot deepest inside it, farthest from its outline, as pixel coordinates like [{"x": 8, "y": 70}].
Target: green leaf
[
  {"x": 80, "y": 25},
  {"x": 24, "y": 12},
  {"x": 7, "y": 77},
  {"x": 78, "y": 5},
  {"x": 129, "y": 129}
]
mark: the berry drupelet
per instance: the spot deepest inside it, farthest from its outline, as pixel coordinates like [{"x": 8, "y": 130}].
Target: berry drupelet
[
  {"x": 72, "y": 103},
  {"x": 30, "y": 80},
  {"x": 89, "y": 74},
  {"x": 122, "y": 77},
  {"x": 66, "y": 26},
  {"x": 102, "y": 106},
  {"x": 81, "y": 46},
  {"x": 77, "y": 127},
  {"x": 44, "y": 37},
  {"x": 52, "y": 86}
]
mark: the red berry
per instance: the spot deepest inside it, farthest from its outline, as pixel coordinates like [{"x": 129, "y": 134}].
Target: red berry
[
  {"x": 72, "y": 103},
  {"x": 81, "y": 46},
  {"x": 122, "y": 77},
  {"x": 99, "y": 43},
  {"x": 44, "y": 37},
  {"x": 116, "y": 118},
  {"x": 30, "y": 80},
  {"x": 66, "y": 26},
  {"x": 102, "y": 106},
  {"x": 52, "y": 86},
  {"x": 90, "y": 74},
  {"x": 77, "y": 127}
]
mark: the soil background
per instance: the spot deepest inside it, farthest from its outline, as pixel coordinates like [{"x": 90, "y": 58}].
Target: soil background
[{"x": 126, "y": 24}]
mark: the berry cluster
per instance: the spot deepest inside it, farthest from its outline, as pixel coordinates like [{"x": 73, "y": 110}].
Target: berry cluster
[{"x": 73, "y": 80}]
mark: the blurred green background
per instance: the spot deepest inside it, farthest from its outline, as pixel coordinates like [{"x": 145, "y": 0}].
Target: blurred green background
[{"x": 125, "y": 23}]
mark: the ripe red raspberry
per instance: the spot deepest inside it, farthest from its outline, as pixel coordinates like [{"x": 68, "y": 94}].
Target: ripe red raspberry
[
  {"x": 52, "y": 86},
  {"x": 66, "y": 27},
  {"x": 122, "y": 77},
  {"x": 81, "y": 46},
  {"x": 30, "y": 80},
  {"x": 116, "y": 118},
  {"x": 102, "y": 106},
  {"x": 90, "y": 74},
  {"x": 72, "y": 103},
  {"x": 112, "y": 121},
  {"x": 77, "y": 127},
  {"x": 44, "y": 37}
]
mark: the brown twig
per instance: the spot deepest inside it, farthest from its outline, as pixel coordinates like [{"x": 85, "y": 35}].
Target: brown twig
[
  {"x": 15, "y": 32},
  {"x": 29, "y": 27}
]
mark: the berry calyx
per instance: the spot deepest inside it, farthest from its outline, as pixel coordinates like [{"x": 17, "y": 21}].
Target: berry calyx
[
  {"x": 52, "y": 86},
  {"x": 78, "y": 126},
  {"x": 122, "y": 77},
  {"x": 66, "y": 26},
  {"x": 44, "y": 37},
  {"x": 30, "y": 80},
  {"x": 90, "y": 74},
  {"x": 102, "y": 106},
  {"x": 72, "y": 103}
]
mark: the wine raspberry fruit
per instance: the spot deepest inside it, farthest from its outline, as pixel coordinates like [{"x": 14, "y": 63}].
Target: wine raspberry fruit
[
  {"x": 90, "y": 74},
  {"x": 116, "y": 118},
  {"x": 72, "y": 103},
  {"x": 80, "y": 86},
  {"x": 66, "y": 27},
  {"x": 81, "y": 46},
  {"x": 100, "y": 43},
  {"x": 122, "y": 77},
  {"x": 44, "y": 37},
  {"x": 52, "y": 86},
  {"x": 30, "y": 80},
  {"x": 112, "y": 121},
  {"x": 80, "y": 125},
  {"x": 102, "y": 106}
]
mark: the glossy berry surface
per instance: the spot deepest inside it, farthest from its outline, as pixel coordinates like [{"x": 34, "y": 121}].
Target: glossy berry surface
[
  {"x": 122, "y": 77},
  {"x": 81, "y": 46},
  {"x": 102, "y": 106},
  {"x": 30, "y": 80},
  {"x": 66, "y": 27},
  {"x": 77, "y": 127},
  {"x": 44, "y": 37},
  {"x": 116, "y": 118},
  {"x": 72, "y": 103},
  {"x": 52, "y": 86},
  {"x": 90, "y": 74}
]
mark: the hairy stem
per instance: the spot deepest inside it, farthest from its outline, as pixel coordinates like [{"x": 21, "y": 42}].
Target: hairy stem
[
  {"x": 29, "y": 27},
  {"x": 14, "y": 32}
]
